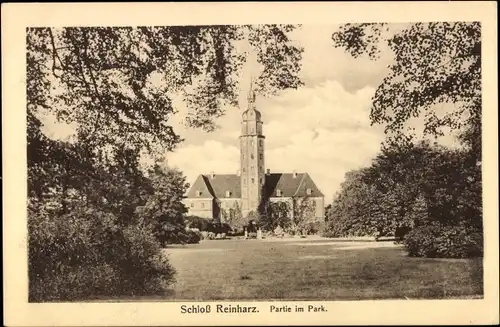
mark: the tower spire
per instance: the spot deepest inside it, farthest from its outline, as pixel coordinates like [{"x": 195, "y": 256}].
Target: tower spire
[{"x": 251, "y": 92}]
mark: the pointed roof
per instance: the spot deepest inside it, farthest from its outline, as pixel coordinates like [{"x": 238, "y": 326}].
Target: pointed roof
[
  {"x": 220, "y": 184},
  {"x": 217, "y": 185},
  {"x": 200, "y": 185},
  {"x": 251, "y": 93},
  {"x": 290, "y": 185},
  {"x": 251, "y": 113}
]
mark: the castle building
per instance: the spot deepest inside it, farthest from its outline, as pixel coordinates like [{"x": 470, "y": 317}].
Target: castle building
[{"x": 252, "y": 186}]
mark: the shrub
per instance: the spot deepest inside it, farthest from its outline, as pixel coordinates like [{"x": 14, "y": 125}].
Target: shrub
[
  {"x": 336, "y": 227},
  {"x": 330, "y": 234},
  {"x": 437, "y": 241},
  {"x": 314, "y": 228},
  {"x": 236, "y": 231},
  {"x": 193, "y": 237},
  {"x": 86, "y": 254},
  {"x": 197, "y": 222},
  {"x": 183, "y": 236},
  {"x": 219, "y": 228}
]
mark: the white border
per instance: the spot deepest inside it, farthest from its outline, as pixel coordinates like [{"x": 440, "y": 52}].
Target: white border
[{"x": 16, "y": 17}]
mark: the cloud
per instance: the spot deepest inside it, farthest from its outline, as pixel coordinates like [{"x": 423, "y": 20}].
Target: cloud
[
  {"x": 204, "y": 158},
  {"x": 323, "y": 130},
  {"x": 322, "y": 61},
  {"x": 328, "y": 106}
]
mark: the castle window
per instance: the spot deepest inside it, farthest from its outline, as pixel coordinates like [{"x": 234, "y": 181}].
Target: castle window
[
  {"x": 308, "y": 191},
  {"x": 192, "y": 205},
  {"x": 198, "y": 193},
  {"x": 251, "y": 156},
  {"x": 253, "y": 180},
  {"x": 260, "y": 156},
  {"x": 260, "y": 142},
  {"x": 251, "y": 169},
  {"x": 244, "y": 170},
  {"x": 228, "y": 194},
  {"x": 278, "y": 192}
]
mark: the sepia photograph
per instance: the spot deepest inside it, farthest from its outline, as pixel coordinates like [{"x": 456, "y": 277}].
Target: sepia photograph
[{"x": 219, "y": 165}]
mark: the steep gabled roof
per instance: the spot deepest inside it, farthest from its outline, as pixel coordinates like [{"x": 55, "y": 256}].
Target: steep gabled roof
[
  {"x": 222, "y": 183},
  {"x": 199, "y": 185},
  {"x": 290, "y": 185},
  {"x": 218, "y": 184},
  {"x": 308, "y": 183}
]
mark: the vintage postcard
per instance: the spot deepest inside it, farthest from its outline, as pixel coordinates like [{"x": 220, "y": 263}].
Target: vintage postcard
[{"x": 250, "y": 163}]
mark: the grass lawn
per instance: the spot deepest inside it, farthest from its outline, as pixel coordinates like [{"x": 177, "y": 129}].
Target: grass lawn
[{"x": 316, "y": 270}]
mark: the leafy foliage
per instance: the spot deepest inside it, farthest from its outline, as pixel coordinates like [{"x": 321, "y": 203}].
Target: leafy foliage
[
  {"x": 164, "y": 207},
  {"x": 434, "y": 63},
  {"x": 304, "y": 214},
  {"x": 406, "y": 189},
  {"x": 116, "y": 85},
  {"x": 296, "y": 217},
  {"x": 196, "y": 222},
  {"x": 434, "y": 190},
  {"x": 233, "y": 216},
  {"x": 435, "y": 240},
  {"x": 85, "y": 253},
  {"x": 277, "y": 214}
]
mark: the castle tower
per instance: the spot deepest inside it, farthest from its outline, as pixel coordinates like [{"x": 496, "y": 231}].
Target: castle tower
[{"x": 252, "y": 157}]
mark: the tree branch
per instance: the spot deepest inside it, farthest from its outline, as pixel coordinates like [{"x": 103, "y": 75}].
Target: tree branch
[{"x": 55, "y": 54}]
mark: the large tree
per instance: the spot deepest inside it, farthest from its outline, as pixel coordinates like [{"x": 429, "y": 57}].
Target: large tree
[
  {"x": 434, "y": 63},
  {"x": 163, "y": 207},
  {"x": 117, "y": 83},
  {"x": 117, "y": 87},
  {"x": 276, "y": 214}
]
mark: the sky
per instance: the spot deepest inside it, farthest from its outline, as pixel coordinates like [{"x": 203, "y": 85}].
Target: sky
[{"x": 322, "y": 128}]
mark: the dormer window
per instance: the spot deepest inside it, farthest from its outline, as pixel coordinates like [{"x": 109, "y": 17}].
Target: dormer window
[
  {"x": 228, "y": 194},
  {"x": 198, "y": 193},
  {"x": 278, "y": 192},
  {"x": 308, "y": 191}
]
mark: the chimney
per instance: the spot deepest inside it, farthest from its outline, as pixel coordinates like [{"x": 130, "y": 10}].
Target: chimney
[
  {"x": 213, "y": 174},
  {"x": 294, "y": 174},
  {"x": 238, "y": 173},
  {"x": 268, "y": 172}
]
